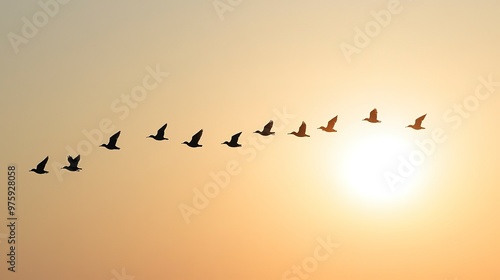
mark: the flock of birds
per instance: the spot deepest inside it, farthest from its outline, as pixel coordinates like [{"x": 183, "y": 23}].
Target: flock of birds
[{"x": 195, "y": 139}]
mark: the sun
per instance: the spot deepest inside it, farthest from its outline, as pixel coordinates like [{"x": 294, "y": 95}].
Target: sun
[{"x": 366, "y": 163}]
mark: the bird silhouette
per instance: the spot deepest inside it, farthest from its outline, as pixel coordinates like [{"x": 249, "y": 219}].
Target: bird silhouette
[
  {"x": 194, "y": 140},
  {"x": 112, "y": 142},
  {"x": 302, "y": 131},
  {"x": 159, "y": 134},
  {"x": 73, "y": 164},
  {"x": 330, "y": 125},
  {"x": 266, "y": 131},
  {"x": 418, "y": 123},
  {"x": 373, "y": 117},
  {"x": 234, "y": 141},
  {"x": 40, "y": 168}
]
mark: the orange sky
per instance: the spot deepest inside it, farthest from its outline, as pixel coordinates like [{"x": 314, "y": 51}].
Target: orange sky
[{"x": 279, "y": 207}]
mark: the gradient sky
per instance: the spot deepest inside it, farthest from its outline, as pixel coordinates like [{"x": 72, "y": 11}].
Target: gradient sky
[{"x": 233, "y": 72}]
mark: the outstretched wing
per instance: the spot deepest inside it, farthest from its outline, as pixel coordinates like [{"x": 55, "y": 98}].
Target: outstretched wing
[
  {"x": 418, "y": 122},
  {"x": 161, "y": 131},
  {"x": 373, "y": 114},
  {"x": 197, "y": 136},
  {"x": 332, "y": 122},
  {"x": 73, "y": 162},
  {"x": 234, "y": 138},
  {"x": 113, "y": 139},
  {"x": 41, "y": 165},
  {"x": 302, "y": 128},
  {"x": 268, "y": 126}
]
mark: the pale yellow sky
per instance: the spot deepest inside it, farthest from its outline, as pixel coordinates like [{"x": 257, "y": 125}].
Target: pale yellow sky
[{"x": 291, "y": 208}]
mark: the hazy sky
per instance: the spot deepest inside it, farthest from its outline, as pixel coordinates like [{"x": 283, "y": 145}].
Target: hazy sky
[{"x": 371, "y": 201}]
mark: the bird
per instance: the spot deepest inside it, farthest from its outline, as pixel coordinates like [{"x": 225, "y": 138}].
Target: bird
[
  {"x": 234, "y": 141},
  {"x": 302, "y": 131},
  {"x": 40, "y": 168},
  {"x": 159, "y": 134},
  {"x": 266, "y": 131},
  {"x": 194, "y": 140},
  {"x": 418, "y": 123},
  {"x": 330, "y": 125},
  {"x": 373, "y": 117},
  {"x": 73, "y": 164},
  {"x": 112, "y": 142}
]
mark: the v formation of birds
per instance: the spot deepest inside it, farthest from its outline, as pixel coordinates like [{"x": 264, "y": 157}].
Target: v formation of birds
[{"x": 233, "y": 142}]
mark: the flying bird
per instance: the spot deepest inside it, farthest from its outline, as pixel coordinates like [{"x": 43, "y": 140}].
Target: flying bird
[
  {"x": 373, "y": 117},
  {"x": 267, "y": 129},
  {"x": 160, "y": 134},
  {"x": 330, "y": 125},
  {"x": 234, "y": 141},
  {"x": 73, "y": 164},
  {"x": 302, "y": 131},
  {"x": 40, "y": 168},
  {"x": 194, "y": 140},
  {"x": 418, "y": 123},
  {"x": 112, "y": 142}
]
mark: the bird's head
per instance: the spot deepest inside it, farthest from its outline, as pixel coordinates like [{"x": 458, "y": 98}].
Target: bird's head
[
  {"x": 257, "y": 131},
  {"x": 185, "y": 142},
  {"x": 321, "y": 127},
  {"x": 32, "y": 170},
  {"x": 366, "y": 119},
  {"x": 150, "y": 136},
  {"x": 102, "y": 145},
  {"x": 225, "y": 142}
]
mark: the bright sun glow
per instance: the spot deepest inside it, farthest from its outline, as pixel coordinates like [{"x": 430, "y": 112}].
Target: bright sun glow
[{"x": 367, "y": 163}]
